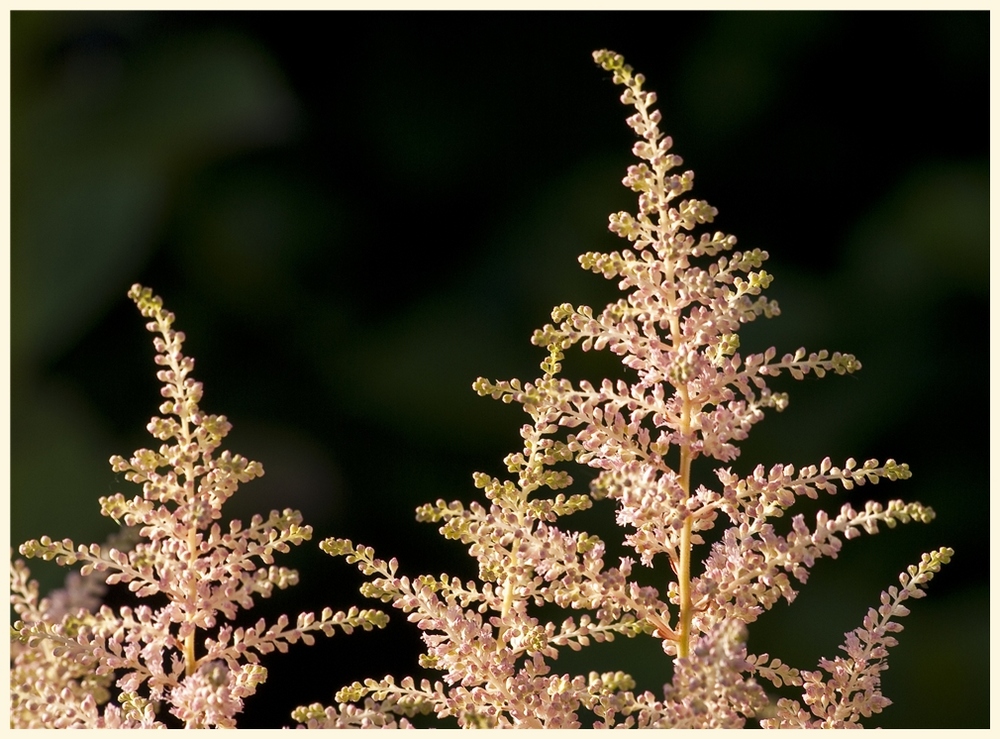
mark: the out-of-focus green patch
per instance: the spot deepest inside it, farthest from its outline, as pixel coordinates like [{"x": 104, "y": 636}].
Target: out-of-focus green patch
[
  {"x": 57, "y": 495},
  {"x": 929, "y": 236},
  {"x": 98, "y": 148}
]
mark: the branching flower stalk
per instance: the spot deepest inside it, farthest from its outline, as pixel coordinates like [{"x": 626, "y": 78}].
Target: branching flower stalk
[
  {"x": 692, "y": 396},
  {"x": 68, "y": 649}
]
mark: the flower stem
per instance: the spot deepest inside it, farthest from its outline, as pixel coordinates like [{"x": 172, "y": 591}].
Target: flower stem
[{"x": 684, "y": 566}]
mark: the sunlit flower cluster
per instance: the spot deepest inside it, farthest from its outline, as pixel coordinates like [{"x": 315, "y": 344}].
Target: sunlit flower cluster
[
  {"x": 70, "y": 652},
  {"x": 692, "y": 395},
  {"x": 688, "y": 395}
]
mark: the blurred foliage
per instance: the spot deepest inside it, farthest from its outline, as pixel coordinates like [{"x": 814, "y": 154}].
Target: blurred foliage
[{"x": 355, "y": 214}]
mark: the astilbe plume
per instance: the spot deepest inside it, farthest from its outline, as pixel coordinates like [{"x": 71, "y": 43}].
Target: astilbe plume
[
  {"x": 69, "y": 652},
  {"x": 692, "y": 395}
]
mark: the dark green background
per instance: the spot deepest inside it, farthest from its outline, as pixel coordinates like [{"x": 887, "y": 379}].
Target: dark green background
[{"x": 354, "y": 215}]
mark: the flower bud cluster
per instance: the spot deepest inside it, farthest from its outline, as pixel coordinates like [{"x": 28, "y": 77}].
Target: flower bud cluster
[
  {"x": 183, "y": 655},
  {"x": 692, "y": 395}
]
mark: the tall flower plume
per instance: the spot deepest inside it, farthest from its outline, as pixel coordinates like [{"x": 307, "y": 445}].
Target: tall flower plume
[
  {"x": 179, "y": 651},
  {"x": 690, "y": 395}
]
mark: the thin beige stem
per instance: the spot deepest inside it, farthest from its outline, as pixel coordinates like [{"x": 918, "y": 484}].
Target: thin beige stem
[
  {"x": 684, "y": 568},
  {"x": 190, "y": 662},
  {"x": 508, "y": 597},
  {"x": 184, "y": 439}
]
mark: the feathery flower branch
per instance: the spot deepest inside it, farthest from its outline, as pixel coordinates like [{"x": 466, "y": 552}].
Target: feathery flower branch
[
  {"x": 181, "y": 655},
  {"x": 688, "y": 395},
  {"x": 694, "y": 396}
]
